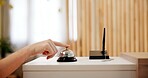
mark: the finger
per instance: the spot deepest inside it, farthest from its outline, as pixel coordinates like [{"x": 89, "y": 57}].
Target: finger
[
  {"x": 48, "y": 50},
  {"x": 53, "y": 45},
  {"x": 60, "y": 44},
  {"x": 45, "y": 53},
  {"x": 50, "y": 56}
]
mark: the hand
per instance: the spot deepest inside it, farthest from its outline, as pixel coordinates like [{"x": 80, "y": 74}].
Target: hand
[{"x": 47, "y": 47}]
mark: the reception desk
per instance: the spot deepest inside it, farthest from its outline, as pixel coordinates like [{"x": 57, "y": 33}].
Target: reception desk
[
  {"x": 141, "y": 61},
  {"x": 83, "y": 68}
]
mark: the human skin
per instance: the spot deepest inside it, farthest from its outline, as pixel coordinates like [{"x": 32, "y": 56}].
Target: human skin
[{"x": 16, "y": 59}]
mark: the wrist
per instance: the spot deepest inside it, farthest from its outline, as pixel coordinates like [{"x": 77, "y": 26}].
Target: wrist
[
  {"x": 31, "y": 50},
  {"x": 27, "y": 52}
]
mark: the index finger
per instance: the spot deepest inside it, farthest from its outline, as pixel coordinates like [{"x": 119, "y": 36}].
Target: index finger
[{"x": 60, "y": 44}]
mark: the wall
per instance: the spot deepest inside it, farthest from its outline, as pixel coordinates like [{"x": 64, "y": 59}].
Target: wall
[
  {"x": 0, "y": 26},
  {"x": 126, "y": 23}
]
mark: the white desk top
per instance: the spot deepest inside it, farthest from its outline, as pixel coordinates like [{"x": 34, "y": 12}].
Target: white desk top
[{"x": 83, "y": 63}]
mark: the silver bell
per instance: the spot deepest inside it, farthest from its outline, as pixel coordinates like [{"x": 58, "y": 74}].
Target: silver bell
[{"x": 67, "y": 55}]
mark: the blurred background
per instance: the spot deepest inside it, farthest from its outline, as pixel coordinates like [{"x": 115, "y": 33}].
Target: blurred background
[{"x": 79, "y": 23}]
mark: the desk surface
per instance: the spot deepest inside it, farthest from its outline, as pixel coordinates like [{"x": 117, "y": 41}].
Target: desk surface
[
  {"x": 83, "y": 63},
  {"x": 137, "y": 55}
]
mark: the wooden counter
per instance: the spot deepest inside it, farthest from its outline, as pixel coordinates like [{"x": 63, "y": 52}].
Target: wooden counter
[{"x": 141, "y": 60}]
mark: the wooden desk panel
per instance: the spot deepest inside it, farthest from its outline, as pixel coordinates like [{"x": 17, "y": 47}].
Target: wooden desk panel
[{"x": 141, "y": 60}]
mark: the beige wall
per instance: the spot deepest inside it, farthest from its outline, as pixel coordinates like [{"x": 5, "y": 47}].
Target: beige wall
[
  {"x": 0, "y": 22},
  {"x": 126, "y": 22},
  {"x": 4, "y": 19}
]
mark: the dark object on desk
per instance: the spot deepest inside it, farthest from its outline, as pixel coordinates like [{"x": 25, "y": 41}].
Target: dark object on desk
[
  {"x": 100, "y": 54},
  {"x": 66, "y": 56},
  {"x": 96, "y": 54},
  {"x": 66, "y": 59}
]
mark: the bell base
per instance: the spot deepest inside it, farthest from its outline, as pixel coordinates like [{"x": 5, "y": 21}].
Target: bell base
[{"x": 66, "y": 59}]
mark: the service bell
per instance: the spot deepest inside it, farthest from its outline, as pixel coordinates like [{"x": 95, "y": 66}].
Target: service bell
[{"x": 66, "y": 55}]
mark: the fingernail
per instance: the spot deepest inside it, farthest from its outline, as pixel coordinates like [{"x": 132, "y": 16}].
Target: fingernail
[{"x": 48, "y": 57}]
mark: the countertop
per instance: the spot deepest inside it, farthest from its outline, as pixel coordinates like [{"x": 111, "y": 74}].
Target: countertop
[
  {"x": 137, "y": 55},
  {"x": 83, "y": 63}
]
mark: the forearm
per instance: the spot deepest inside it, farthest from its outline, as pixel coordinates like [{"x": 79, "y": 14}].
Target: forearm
[{"x": 13, "y": 61}]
